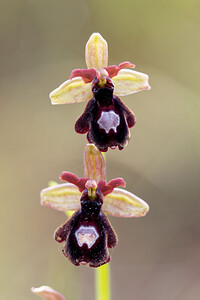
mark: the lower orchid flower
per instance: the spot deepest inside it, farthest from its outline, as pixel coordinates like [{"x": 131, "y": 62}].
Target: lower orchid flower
[
  {"x": 88, "y": 234},
  {"x": 106, "y": 120}
]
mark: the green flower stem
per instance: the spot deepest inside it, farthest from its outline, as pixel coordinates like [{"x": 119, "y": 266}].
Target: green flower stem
[{"x": 102, "y": 282}]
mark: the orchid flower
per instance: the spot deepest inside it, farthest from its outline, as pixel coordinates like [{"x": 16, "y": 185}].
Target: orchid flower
[
  {"x": 106, "y": 120},
  {"x": 47, "y": 293},
  {"x": 88, "y": 234}
]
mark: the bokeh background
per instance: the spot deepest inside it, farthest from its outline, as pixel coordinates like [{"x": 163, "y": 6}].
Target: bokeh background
[{"x": 157, "y": 257}]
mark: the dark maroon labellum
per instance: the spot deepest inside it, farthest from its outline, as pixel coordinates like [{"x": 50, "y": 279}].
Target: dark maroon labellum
[
  {"x": 106, "y": 119},
  {"x": 88, "y": 233}
]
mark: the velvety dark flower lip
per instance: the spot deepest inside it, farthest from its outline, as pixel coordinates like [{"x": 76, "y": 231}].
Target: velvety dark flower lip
[
  {"x": 88, "y": 234},
  {"x": 106, "y": 119}
]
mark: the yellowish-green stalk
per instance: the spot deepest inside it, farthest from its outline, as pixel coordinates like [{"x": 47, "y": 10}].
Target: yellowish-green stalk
[{"x": 102, "y": 283}]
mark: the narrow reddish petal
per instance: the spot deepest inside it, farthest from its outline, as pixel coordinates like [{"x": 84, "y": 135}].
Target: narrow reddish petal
[
  {"x": 72, "y": 178},
  {"x": 117, "y": 182},
  {"x": 126, "y": 64},
  {"x": 86, "y": 74},
  {"x": 107, "y": 188},
  {"x": 113, "y": 70}
]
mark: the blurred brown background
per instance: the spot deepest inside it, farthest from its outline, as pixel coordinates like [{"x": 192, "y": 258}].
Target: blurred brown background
[{"x": 158, "y": 257}]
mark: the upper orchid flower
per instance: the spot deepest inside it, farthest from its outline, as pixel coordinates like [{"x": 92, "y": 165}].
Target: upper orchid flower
[
  {"x": 88, "y": 234},
  {"x": 106, "y": 119}
]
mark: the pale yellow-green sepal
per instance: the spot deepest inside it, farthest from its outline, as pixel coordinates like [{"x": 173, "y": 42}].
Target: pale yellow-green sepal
[
  {"x": 121, "y": 203},
  {"x": 96, "y": 52},
  {"x": 47, "y": 293},
  {"x": 63, "y": 197},
  {"x": 71, "y": 91},
  {"x": 129, "y": 81},
  {"x": 94, "y": 165}
]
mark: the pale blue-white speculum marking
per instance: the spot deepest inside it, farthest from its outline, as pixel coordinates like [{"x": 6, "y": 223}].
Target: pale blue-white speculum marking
[
  {"x": 86, "y": 235},
  {"x": 109, "y": 120}
]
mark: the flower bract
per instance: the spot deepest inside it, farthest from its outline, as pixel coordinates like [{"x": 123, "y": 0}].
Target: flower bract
[
  {"x": 47, "y": 293},
  {"x": 106, "y": 119},
  {"x": 88, "y": 234}
]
